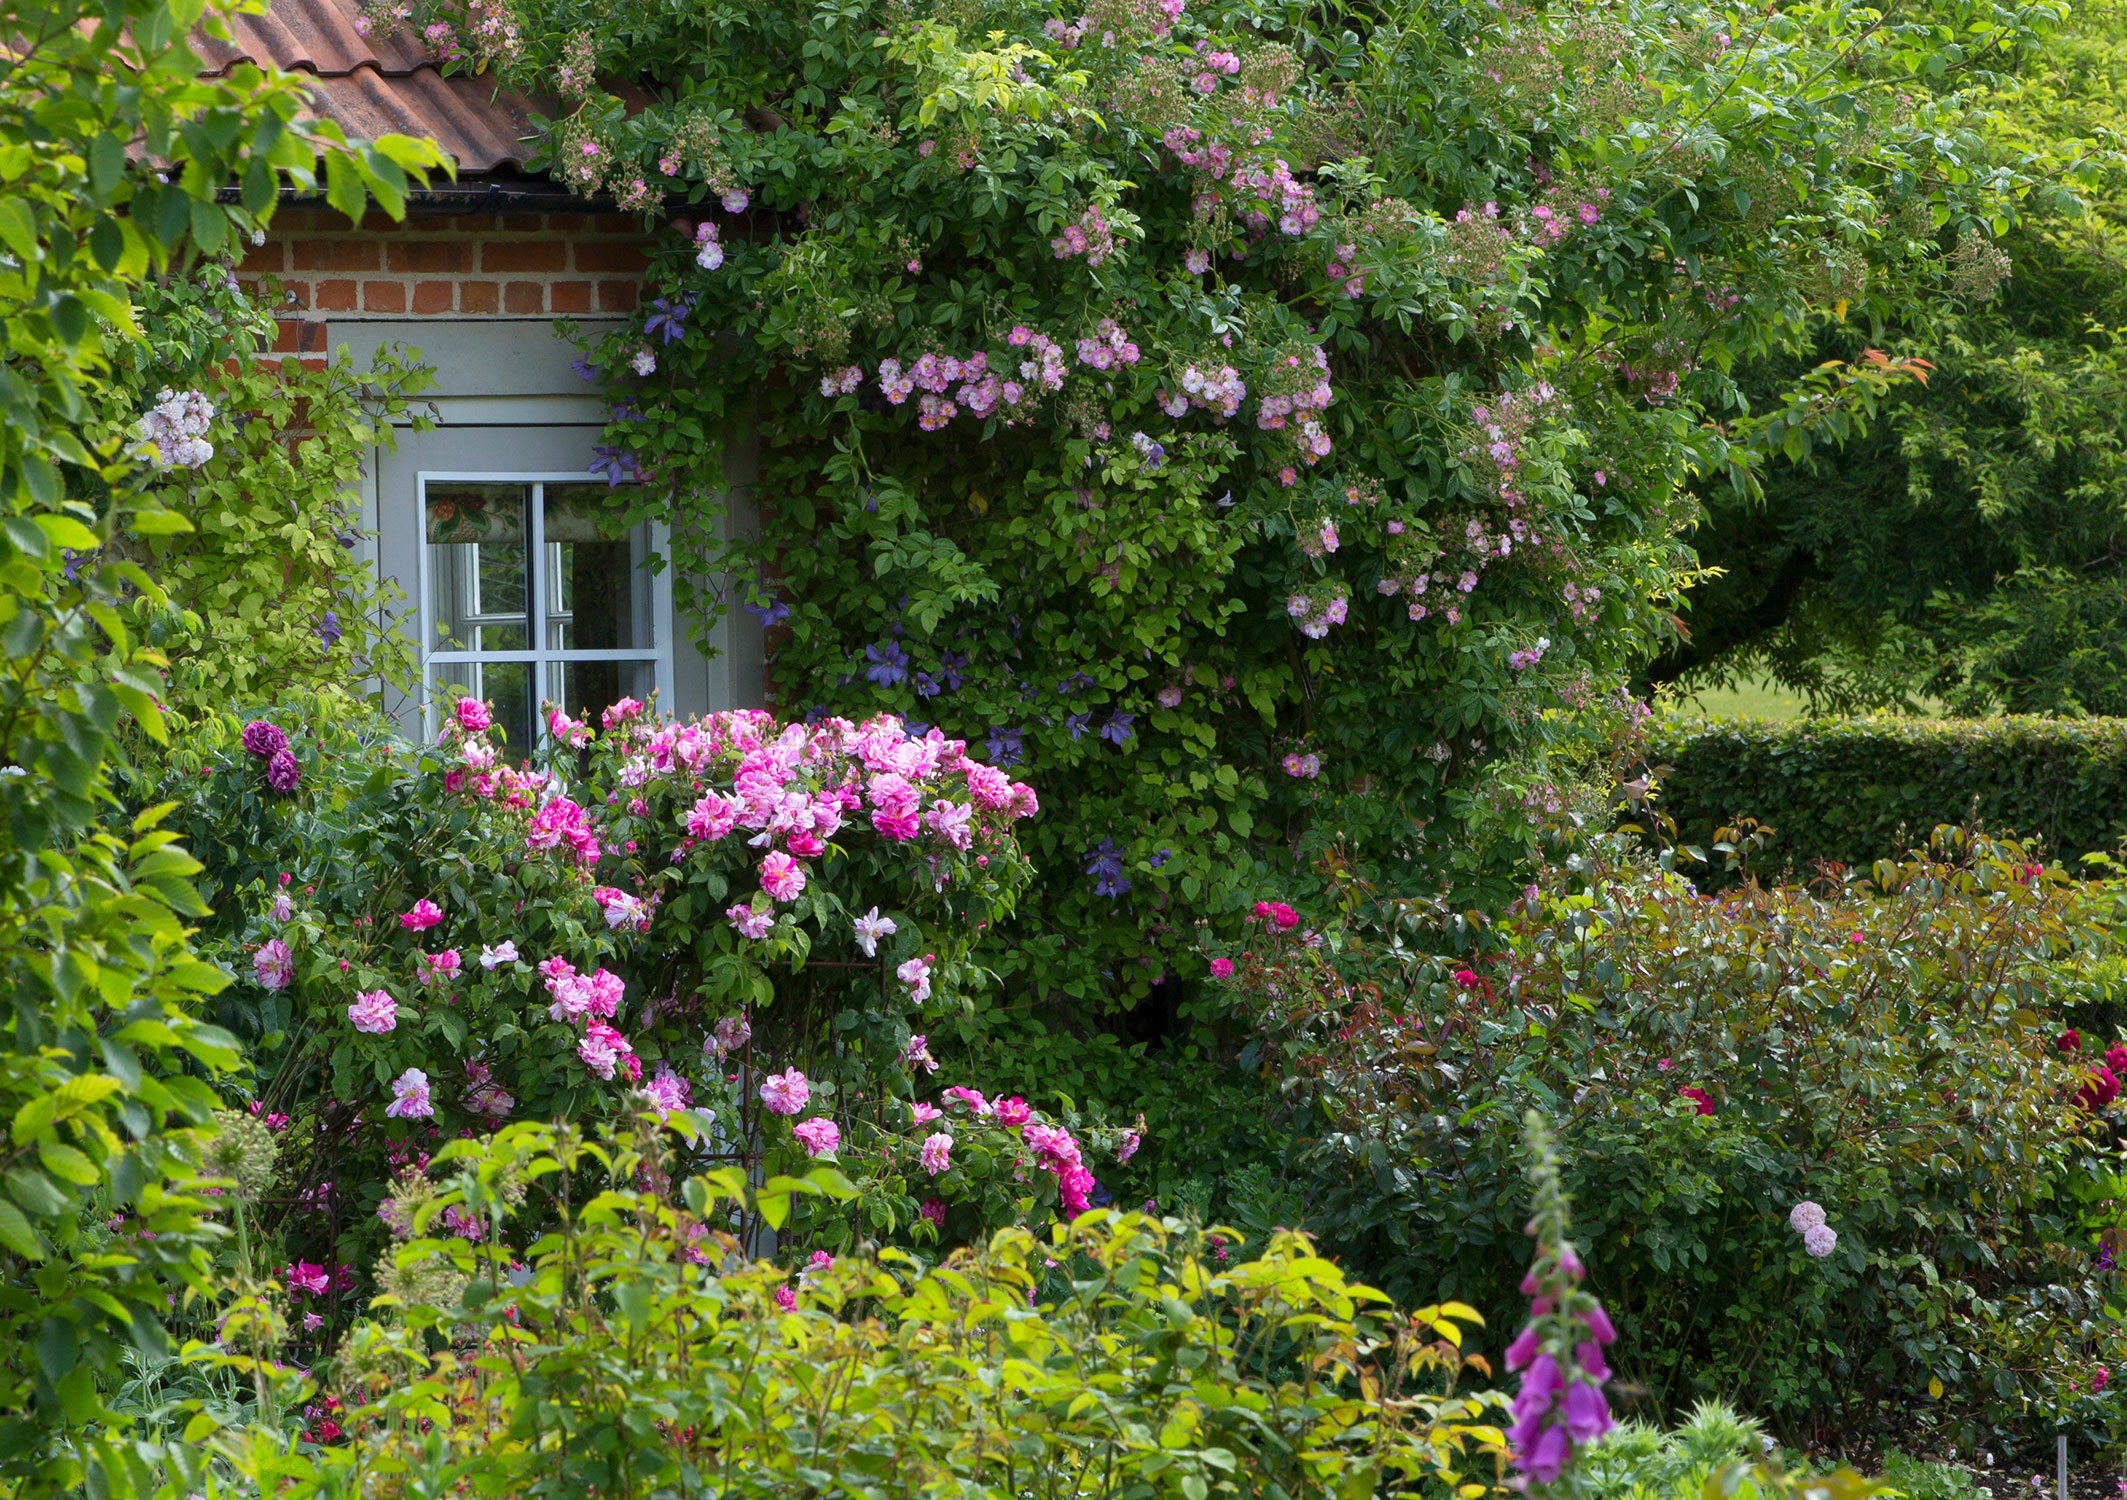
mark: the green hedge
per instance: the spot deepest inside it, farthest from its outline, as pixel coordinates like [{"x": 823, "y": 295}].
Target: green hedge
[{"x": 1856, "y": 790}]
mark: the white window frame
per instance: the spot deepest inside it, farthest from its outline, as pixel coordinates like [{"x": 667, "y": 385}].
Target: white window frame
[{"x": 662, "y": 620}]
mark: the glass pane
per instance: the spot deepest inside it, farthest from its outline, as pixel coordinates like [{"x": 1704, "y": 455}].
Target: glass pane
[
  {"x": 586, "y": 689},
  {"x": 478, "y": 567},
  {"x": 597, "y": 586},
  {"x": 507, "y": 688}
]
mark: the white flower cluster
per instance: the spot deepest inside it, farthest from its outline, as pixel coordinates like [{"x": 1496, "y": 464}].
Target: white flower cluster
[{"x": 174, "y": 432}]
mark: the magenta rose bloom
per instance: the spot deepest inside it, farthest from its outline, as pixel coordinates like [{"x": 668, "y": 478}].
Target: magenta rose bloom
[
  {"x": 263, "y": 739},
  {"x": 282, "y": 772}
]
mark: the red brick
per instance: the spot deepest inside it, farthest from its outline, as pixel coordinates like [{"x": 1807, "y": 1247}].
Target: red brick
[
  {"x": 524, "y": 222},
  {"x": 294, "y": 221},
  {"x": 431, "y": 256},
  {"x": 434, "y": 296},
  {"x": 524, "y": 255},
  {"x": 271, "y": 256},
  {"x": 336, "y": 255},
  {"x": 616, "y": 296},
  {"x": 334, "y": 296},
  {"x": 566, "y": 223},
  {"x": 600, "y": 257},
  {"x": 569, "y": 296},
  {"x": 384, "y": 296},
  {"x": 479, "y": 296},
  {"x": 475, "y": 223},
  {"x": 618, "y": 224},
  {"x": 376, "y": 221},
  {"x": 298, "y": 336},
  {"x": 523, "y": 297}
]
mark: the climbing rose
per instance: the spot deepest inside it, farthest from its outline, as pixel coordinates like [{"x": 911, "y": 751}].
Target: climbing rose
[
  {"x": 473, "y": 715},
  {"x": 274, "y": 965},
  {"x": 937, "y": 1153},
  {"x": 263, "y": 740},
  {"x": 781, "y": 876},
  {"x": 374, "y": 1011},
  {"x": 283, "y": 773},
  {"x": 821, "y": 1136},
  {"x": 785, "y": 1093},
  {"x": 750, "y": 923},
  {"x": 667, "y": 1090},
  {"x": 1820, "y": 1240},
  {"x": 1804, "y": 1217},
  {"x": 307, "y": 1276},
  {"x": 603, "y": 1048},
  {"x": 1222, "y": 968},
  {"x": 425, "y": 914},
  {"x": 1698, "y": 1096},
  {"x": 785, "y": 1298},
  {"x": 870, "y": 928},
  {"x": 409, "y": 1096}
]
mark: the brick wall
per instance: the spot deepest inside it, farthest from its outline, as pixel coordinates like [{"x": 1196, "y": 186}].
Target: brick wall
[{"x": 481, "y": 265}]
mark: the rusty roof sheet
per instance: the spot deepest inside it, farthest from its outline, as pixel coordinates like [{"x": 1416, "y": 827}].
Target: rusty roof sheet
[{"x": 374, "y": 86}]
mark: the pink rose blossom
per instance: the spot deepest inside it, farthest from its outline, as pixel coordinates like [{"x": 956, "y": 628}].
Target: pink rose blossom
[
  {"x": 374, "y": 1011},
  {"x": 820, "y": 1136},
  {"x": 781, "y": 876},
  {"x": 750, "y": 923},
  {"x": 409, "y": 1097},
  {"x": 785, "y": 1093},
  {"x": 274, "y": 965},
  {"x": 425, "y": 914},
  {"x": 937, "y": 1153}
]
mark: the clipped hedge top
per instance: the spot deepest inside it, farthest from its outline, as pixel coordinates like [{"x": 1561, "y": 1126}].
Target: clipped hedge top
[{"x": 1855, "y": 790}]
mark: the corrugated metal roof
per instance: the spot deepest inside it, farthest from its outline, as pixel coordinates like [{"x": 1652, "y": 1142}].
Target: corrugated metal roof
[{"x": 375, "y": 86}]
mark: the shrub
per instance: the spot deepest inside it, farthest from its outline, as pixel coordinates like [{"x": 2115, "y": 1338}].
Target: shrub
[
  {"x": 1854, "y": 791},
  {"x": 742, "y": 922},
  {"x": 1834, "y": 1154},
  {"x": 628, "y": 1350}
]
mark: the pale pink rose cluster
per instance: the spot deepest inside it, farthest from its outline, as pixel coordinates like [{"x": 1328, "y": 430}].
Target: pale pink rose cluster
[{"x": 1316, "y": 609}]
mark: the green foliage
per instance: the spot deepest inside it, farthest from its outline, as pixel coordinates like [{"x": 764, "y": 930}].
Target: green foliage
[
  {"x": 1919, "y": 1479},
  {"x": 1504, "y": 258},
  {"x": 1887, "y": 1052},
  {"x": 1968, "y": 546},
  {"x": 267, "y": 595},
  {"x": 629, "y": 1350},
  {"x": 101, "y": 1078},
  {"x": 1639, "y": 1459},
  {"x": 1852, "y": 791}
]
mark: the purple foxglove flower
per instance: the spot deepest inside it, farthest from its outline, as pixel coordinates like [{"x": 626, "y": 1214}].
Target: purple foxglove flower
[
  {"x": 1523, "y": 1349},
  {"x": 1599, "y": 1326},
  {"x": 1547, "y": 1458},
  {"x": 1587, "y": 1412}
]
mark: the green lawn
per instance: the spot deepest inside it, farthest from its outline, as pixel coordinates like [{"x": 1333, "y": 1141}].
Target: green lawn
[{"x": 1753, "y": 698}]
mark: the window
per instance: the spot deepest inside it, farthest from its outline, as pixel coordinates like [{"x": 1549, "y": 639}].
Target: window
[{"x": 528, "y": 595}]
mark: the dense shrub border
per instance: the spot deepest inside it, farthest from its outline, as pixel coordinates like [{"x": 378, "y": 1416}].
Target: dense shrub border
[{"x": 1857, "y": 790}]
